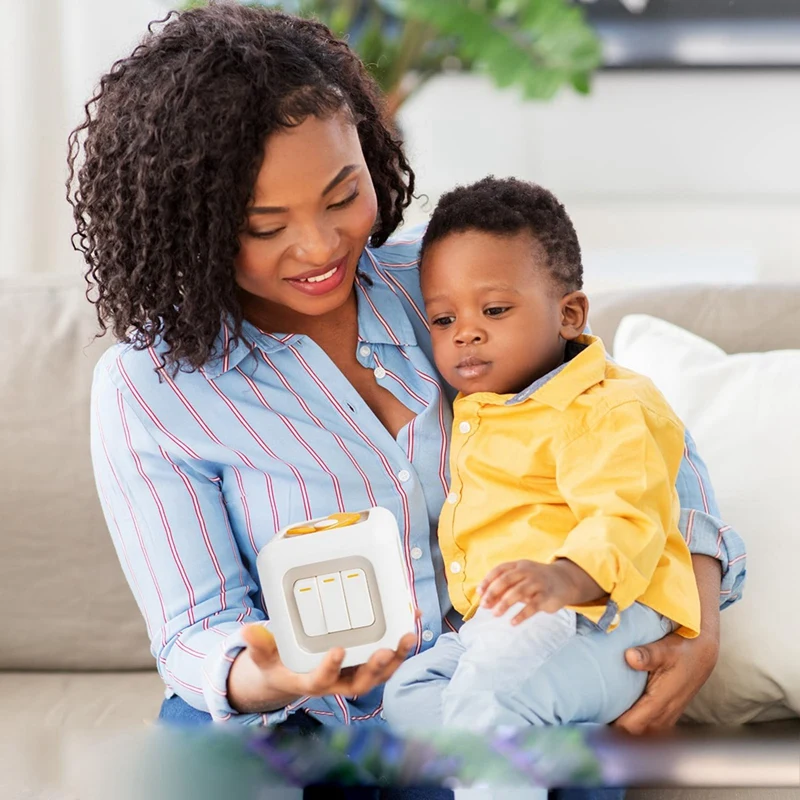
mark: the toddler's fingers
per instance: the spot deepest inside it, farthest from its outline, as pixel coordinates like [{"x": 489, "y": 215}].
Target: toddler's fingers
[
  {"x": 499, "y": 586},
  {"x": 526, "y": 613},
  {"x": 518, "y": 593},
  {"x": 493, "y": 574}
]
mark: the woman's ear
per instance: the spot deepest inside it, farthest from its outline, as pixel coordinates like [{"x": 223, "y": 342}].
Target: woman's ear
[{"x": 574, "y": 315}]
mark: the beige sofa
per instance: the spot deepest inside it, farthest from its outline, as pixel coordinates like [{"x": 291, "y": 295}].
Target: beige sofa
[{"x": 73, "y": 651}]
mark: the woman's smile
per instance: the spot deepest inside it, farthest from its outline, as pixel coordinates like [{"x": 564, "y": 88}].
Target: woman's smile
[{"x": 320, "y": 281}]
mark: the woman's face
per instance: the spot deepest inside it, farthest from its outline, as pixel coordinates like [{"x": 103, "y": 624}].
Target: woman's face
[{"x": 313, "y": 209}]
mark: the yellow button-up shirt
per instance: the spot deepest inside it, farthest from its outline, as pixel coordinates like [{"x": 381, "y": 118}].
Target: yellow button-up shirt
[{"x": 581, "y": 465}]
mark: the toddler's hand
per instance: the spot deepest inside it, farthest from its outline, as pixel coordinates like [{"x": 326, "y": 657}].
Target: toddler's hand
[{"x": 542, "y": 587}]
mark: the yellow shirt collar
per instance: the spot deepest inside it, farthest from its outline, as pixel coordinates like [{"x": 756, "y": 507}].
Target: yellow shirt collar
[{"x": 562, "y": 385}]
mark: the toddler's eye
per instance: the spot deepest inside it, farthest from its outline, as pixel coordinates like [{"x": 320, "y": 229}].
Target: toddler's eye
[
  {"x": 496, "y": 311},
  {"x": 443, "y": 322}
]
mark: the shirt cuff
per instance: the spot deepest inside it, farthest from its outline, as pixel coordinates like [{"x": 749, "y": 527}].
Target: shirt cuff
[
  {"x": 613, "y": 571},
  {"x": 706, "y": 535},
  {"x": 216, "y": 668}
]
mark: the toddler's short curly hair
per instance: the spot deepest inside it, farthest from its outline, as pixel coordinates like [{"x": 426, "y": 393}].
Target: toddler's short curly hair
[{"x": 507, "y": 206}]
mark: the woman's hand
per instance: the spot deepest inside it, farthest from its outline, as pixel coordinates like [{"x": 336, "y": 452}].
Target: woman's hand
[
  {"x": 678, "y": 667},
  {"x": 259, "y": 681}
]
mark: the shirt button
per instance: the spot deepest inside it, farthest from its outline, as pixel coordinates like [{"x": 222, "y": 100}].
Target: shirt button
[
  {"x": 383, "y": 715},
  {"x": 404, "y": 475},
  {"x": 452, "y": 498},
  {"x": 464, "y": 427},
  {"x": 364, "y": 351},
  {"x": 455, "y": 568},
  {"x": 427, "y": 635},
  {"x": 416, "y": 553},
  {"x": 380, "y": 372}
]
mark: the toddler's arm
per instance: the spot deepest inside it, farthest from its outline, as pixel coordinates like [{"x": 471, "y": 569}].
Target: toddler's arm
[{"x": 618, "y": 478}]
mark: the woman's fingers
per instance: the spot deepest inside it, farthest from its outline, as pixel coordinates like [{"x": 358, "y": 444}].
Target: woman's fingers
[
  {"x": 380, "y": 667},
  {"x": 367, "y": 676},
  {"x": 260, "y": 645},
  {"x": 650, "y": 657},
  {"x": 328, "y": 677},
  {"x": 678, "y": 667},
  {"x": 324, "y": 679},
  {"x": 655, "y": 710}
]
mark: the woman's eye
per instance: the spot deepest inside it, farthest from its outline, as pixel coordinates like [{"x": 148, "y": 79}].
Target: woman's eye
[
  {"x": 496, "y": 311},
  {"x": 346, "y": 201},
  {"x": 265, "y": 234},
  {"x": 443, "y": 322}
]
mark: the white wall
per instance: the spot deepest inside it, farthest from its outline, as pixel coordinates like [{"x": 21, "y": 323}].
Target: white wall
[
  {"x": 52, "y": 53},
  {"x": 669, "y": 176}
]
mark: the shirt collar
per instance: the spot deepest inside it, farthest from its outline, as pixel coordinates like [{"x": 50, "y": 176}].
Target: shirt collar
[
  {"x": 381, "y": 320},
  {"x": 584, "y": 366}
]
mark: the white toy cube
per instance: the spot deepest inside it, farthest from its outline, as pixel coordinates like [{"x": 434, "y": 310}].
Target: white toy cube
[{"x": 337, "y": 581}]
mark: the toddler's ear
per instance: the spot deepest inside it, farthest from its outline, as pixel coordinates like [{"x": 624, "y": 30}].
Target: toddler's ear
[{"x": 574, "y": 315}]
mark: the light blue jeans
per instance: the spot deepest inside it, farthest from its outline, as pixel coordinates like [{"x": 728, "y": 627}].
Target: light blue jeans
[{"x": 553, "y": 669}]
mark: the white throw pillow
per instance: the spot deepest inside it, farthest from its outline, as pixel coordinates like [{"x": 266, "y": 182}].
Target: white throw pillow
[{"x": 743, "y": 412}]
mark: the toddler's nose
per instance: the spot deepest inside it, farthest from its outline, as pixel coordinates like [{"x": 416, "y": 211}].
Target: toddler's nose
[{"x": 470, "y": 336}]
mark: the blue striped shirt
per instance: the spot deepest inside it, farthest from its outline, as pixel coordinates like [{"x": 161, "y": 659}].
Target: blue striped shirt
[{"x": 195, "y": 473}]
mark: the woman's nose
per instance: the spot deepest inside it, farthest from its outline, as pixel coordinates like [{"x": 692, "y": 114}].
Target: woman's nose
[{"x": 316, "y": 245}]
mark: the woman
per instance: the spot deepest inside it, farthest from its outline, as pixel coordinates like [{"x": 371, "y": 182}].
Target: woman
[{"x": 272, "y": 367}]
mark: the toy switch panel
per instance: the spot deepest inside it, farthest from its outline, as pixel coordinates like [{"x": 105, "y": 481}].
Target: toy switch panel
[
  {"x": 337, "y": 581},
  {"x": 338, "y": 601}
]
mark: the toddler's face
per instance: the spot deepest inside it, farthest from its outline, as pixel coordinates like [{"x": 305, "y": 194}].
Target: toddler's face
[{"x": 494, "y": 313}]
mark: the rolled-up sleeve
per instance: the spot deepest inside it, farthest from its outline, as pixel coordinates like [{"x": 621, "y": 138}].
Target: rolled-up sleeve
[
  {"x": 703, "y": 529},
  {"x": 617, "y": 479},
  {"x": 174, "y": 541}
]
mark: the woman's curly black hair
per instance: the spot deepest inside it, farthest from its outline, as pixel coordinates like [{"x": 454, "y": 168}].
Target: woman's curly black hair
[{"x": 168, "y": 153}]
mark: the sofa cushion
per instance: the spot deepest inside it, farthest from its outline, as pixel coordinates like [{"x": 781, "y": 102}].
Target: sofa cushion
[
  {"x": 739, "y": 319},
  {"x": 72, "y": 608},
  {"x": 44, "y": 712},
  {"x": 741, "y": 410}
]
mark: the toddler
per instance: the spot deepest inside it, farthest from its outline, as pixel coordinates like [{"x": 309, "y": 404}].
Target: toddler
[{"x": 559, "y": 535}]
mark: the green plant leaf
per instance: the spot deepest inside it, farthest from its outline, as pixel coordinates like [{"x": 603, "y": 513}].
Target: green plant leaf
[
  {"x": 536, "y": 44},
  {"x": 582, "y": 82}
]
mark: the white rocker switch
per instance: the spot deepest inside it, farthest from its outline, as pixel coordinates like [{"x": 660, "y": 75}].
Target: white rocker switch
[
  {"x": 356, "y": 594},
  {"x": 334, "y": 607},
  {"x": 306, "y": 595}
]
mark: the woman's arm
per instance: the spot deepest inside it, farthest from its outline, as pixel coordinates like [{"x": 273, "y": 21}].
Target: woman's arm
[
  {"x": 176, "y": 545},
  {"x": 173, "y": 538}
]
